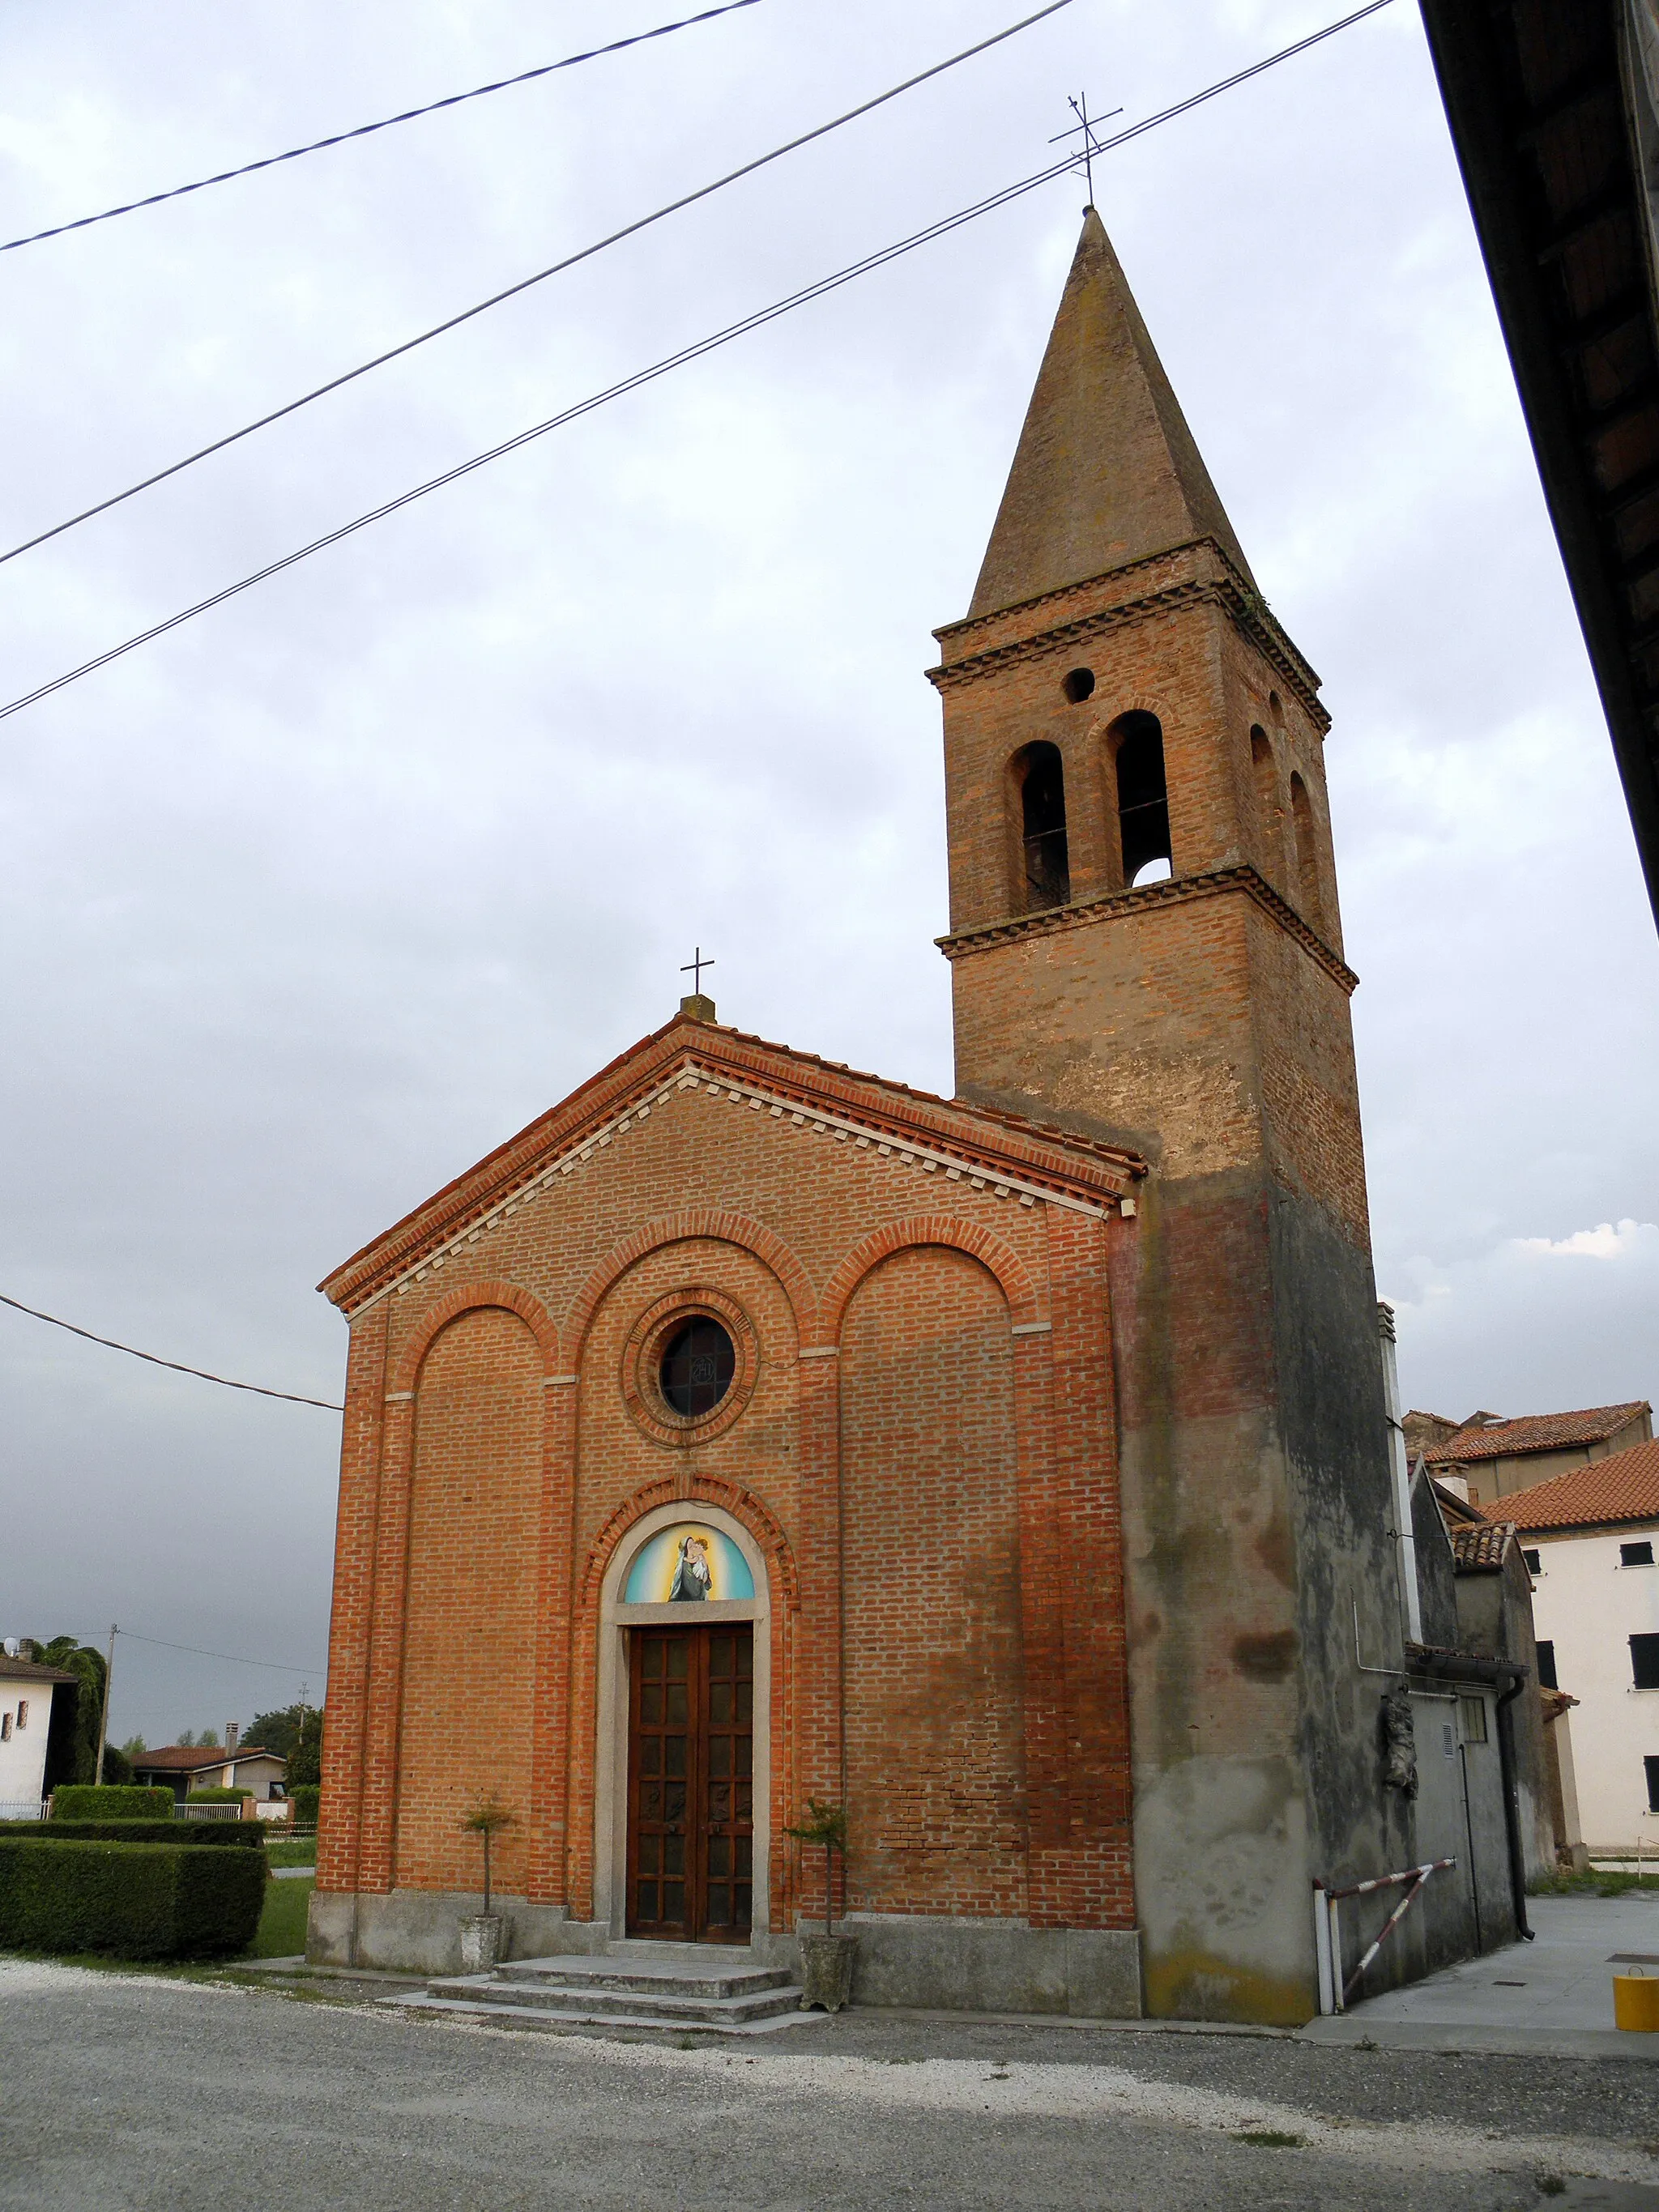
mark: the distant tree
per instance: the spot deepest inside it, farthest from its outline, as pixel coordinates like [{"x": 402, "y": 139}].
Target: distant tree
[
  {"x": 80, "y": 1755},
  {"x": 279, "y": 1731},
  {"x": 209, "y": 1739},
  {"x": 117, "y": 1767},
  {"x": 185, "y": 1739},
  {"x": 134, "y": 1747},
  {"x": 305, "y": 1760}
]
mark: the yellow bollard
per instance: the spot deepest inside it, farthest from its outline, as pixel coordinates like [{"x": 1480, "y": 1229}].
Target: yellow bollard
[{"x": 1635, "y": 2001}]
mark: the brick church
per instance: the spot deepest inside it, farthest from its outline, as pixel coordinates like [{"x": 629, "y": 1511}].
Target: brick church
[{"x": 1010, "y": 1469}]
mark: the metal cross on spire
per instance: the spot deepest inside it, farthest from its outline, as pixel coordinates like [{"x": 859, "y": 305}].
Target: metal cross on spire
[
  {"x": 1085, "y": 123},
  {"x": 693, "y": 968}
]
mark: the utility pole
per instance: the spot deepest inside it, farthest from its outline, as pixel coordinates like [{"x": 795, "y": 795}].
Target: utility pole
[{"x": 103, "y": 1719}]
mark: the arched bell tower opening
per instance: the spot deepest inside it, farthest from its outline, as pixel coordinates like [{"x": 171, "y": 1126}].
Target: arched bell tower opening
[
  {"x": 1143, "y": 797},
  {"x": 1036, "y": 791},
  {"x": 1306, "y": 839}
]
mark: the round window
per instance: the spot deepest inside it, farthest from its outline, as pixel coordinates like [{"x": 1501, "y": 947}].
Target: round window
[{"x": 698, "y": 1362}]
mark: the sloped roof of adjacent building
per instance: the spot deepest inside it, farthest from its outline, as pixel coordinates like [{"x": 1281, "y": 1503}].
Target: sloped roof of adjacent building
[
  {"x": 1479, "y": 1551},
  {"x": 190, "y": 1758},
  {"x": 1623, "y": 1487},
  {"x": 1486, "y": 1436},
  {"x": 30, "y": 1670},
  {"x": 1039, "y": 1159}
]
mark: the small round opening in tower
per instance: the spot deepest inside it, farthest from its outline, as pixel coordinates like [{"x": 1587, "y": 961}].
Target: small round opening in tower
[
  {"x": 698, "y": 1362},
  {"x": 1078, "y": 685}
]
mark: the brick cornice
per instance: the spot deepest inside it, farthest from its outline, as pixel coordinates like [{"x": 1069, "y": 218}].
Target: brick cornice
[
  {"x": 1174, "y": 890},
  {"x": 1006, "y": 1150},
  {"x": 1223, "y": 586}
]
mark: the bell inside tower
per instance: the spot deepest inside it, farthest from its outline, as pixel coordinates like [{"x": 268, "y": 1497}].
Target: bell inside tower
[{"x": 1040, "y": 778}]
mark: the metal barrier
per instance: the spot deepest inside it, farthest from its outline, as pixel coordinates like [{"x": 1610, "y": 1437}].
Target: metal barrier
[
  {"x": 1335, "y": 1994},
  {"x": 22, "y": 1809},
  {"x": 218, "y": 1810}
]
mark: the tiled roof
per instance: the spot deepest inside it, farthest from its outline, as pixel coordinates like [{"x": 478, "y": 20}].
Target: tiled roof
[
  {"x": 1534, "y": 1432},
  {"x": 1481, "y": 1551},
  {"x": 190, "y": 1758},
  {"x": 1622, "y": 1487},
  {"x": 26, "y": 1670}
]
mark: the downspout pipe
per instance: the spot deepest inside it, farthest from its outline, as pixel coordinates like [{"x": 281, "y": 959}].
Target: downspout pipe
[
  {"x": 1512, "y": 1804},
  {"x": 1411, "y": 1601}
]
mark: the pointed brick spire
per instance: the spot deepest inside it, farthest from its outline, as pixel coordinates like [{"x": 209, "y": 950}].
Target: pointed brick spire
[{"x": 1106, "y": 470}]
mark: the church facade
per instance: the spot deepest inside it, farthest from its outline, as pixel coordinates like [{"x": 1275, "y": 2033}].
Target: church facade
[{"x": 1009, "y": 1470}]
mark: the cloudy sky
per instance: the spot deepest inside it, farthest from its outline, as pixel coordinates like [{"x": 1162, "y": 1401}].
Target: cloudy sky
[{"x": 310, "y": 903}]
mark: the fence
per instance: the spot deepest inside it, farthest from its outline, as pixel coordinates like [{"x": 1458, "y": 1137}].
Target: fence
[
  {"x": 218, "y": 1809},
  {"x": 22, "y": 1809}
]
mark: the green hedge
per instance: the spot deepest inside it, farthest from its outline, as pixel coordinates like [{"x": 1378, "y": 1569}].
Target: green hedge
[
  {"x": 218, "y": 1796},
  {"x": 133, "y": 1900},
  {"x": 304, "y": 1795},
  {"x": 248, "y": 1833},
  {"x": 85, "y": 1800}
]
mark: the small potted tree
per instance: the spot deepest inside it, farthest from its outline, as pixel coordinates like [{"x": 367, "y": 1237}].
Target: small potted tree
[
  {"x": 481, "y": 1935},
  {"x": 826, "y": 1960}
]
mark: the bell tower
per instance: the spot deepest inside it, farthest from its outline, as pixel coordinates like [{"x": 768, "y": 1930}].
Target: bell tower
[{"x": 1145, "y": 948}]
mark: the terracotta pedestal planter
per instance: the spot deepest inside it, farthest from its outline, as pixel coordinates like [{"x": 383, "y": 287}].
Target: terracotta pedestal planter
[
  {"x": 481, "y": 1942},
  {"x": 826, "y": 1971}
]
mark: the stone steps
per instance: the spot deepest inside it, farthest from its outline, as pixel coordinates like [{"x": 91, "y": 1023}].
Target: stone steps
[{"x": 664, "y": 1988}]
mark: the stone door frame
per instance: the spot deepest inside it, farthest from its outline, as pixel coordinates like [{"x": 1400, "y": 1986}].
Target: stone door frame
[{"x": 611, "y": 1760}]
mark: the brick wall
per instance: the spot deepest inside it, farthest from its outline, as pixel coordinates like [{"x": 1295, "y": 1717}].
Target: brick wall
[
  {"x": 935, "y": 1698},
  {"x": 469, "y": 1609}
]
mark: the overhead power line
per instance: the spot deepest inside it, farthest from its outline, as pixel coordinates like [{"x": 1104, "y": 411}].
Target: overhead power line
[
  {"x": 685, "y": 354},
  {"x": 570, "y": 261},
  {"x": 367, "y": 130},
  {"x": 202, "y": 1374},
  {"x": 275, "y": 1666}
]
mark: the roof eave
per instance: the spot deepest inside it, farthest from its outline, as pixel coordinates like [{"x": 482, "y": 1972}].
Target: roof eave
[{"x": 980, "y": 1137}]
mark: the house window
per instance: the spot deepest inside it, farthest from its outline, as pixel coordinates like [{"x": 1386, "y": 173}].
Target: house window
[
  {"x": 1535, "y": 1562},
  {"x": 22, "y": 1712},
  {"x": 1546, "y": 1666},
  {"x": 1652, "y": 1769},
  {"x": 1472, "y": 1713},
  {"x": 5, "y": 1728},
  {"x": 1644, "y": 1663},
  {"x": 1637, "y": 1555}
]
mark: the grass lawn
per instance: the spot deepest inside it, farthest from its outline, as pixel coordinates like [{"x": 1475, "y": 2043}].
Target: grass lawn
[
  {"x": 291, "y": 1850},
  {"x": 282, "y": 1923},
  {"x": 1596, "y": 1881}
]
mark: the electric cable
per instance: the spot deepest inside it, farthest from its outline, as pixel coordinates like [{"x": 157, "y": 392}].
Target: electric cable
[
  {"x": 276, "y": 1666},
  {"x": 202, "y": 1374},
  {"x": 755, "y": 321},
  {"x": 570, "y": 261},
  {"x": 367, "y": 130}
]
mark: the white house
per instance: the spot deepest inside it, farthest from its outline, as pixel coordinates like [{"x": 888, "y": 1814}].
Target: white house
[
  {"x": 207, "y": 1766},
  {"x": 1591, "y": 1540},
  {"x": 25, "y": 1700}
]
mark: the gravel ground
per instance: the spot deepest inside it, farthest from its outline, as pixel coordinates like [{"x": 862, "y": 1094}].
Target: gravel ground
[{"x": 141, "y": 2092}]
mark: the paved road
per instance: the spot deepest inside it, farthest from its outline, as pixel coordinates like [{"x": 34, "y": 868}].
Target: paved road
[{"x": 154, "y": 2095}]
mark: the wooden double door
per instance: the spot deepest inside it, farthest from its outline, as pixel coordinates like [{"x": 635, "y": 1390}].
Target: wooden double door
[{"x": 690, "y": 1782}]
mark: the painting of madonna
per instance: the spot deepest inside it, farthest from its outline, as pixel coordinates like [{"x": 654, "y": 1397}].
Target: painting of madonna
[{"x": 692, "y": 1577}]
